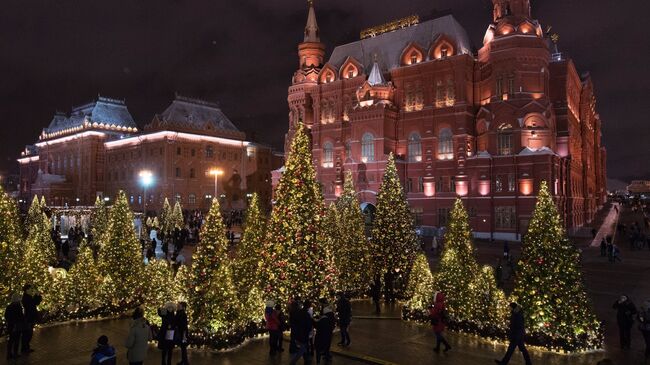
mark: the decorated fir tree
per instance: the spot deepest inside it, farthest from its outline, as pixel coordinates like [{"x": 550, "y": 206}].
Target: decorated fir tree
[
  {"x": 331, "y": 234},
  {"x": 11, "y": 248},
  {"x": 213, "y": 302},
  {"x": 421, "y": 285},
  {"x": 39, "y": 251},
  {"x": 296, "y": 255},
  {"x": 248, "y": 264},
  {"x": 157, "y": 288},
  {"x": 177, "y": 221},
  {"x": 120, "y": 256},
  {"x": 34, "y": 213},
  {"x": 83, "y": 283},
  {"x": 99, "y": 221},
  {"x": 471, "y": 292},
  {"x": 549, "y": 284},
  {"x": 395, "y": 244},
  {"x": 352, "y": 250},
  {"x": 166, "y": 214}
]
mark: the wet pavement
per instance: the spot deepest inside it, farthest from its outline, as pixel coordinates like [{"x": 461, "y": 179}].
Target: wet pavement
[{"x": 388, "y": 340}]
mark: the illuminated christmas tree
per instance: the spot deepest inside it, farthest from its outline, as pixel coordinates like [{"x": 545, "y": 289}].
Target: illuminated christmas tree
[
  {"x": 177, "y": 217},
  {"x": 352, "y": 250},
  {"x": 296, "y": 255},
  {"x": 213, "y": 303},
  {"x": 34, "y": 213},
  {"x": 166, "y": 214},
  {"x": 395, "y": 244},
  {"x": 11, "y": 248},
  {"x": 331, "y": 234},
  {"x": 39, "y": 251},
  {"x": 549, "y": 283},
  {"x": 473, "y": 299},
  {"x": 248, "y": 264},
  {"x": 120, "y": 256},
  {"x": 99, "y": 221},
  {"x": 158, "y": 289},
  {"x": 421, "y": 285},
  {"x": 83, "y": 283}
]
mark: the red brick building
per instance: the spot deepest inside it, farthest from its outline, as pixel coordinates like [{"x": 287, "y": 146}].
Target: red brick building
[
  {"x": 98, "y": 150},
  {"x": 486, "y": 126}
]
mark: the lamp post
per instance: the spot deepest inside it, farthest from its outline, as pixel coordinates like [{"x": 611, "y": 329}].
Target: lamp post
[
  {"x": 216, "y": 173},
  {"x": 146, "y": 179}
]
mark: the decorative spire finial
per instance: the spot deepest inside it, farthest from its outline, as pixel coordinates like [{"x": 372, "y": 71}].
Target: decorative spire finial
[{"x": 311, "y": 29}]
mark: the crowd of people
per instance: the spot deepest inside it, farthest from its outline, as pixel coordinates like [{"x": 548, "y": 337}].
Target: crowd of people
[{"x": 21, "y": 315}]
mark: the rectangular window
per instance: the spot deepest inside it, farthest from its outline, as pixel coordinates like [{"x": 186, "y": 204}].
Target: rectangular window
[
  {"x": 178, "y": 151},
  {"x": 193, "y": 152},
  {"x": 192, "y": 174},
  {"x": 498, "y": 184},
  {"x": 443, "y": 217},
  {"x": 511, "y": 86},
  {"x": 504, "y": 144},
  {"x": 504, "y": 217},
  {"x": 420, "y": 184},
  {"x": 511, "y": 182},
  {"x": 178, "y": 172},
  {"x": 499, "y": 91},
  {"x": 409, "y": 185}
]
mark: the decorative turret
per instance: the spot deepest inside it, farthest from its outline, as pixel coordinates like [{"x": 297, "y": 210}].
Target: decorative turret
[
  {"x": 504, "y": 8},
  {"x": 311, "y": 51},
  {"x": 376, "y": 90}
]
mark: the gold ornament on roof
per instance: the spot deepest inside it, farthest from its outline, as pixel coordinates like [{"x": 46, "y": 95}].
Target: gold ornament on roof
[{"x": 390, "y": 26}]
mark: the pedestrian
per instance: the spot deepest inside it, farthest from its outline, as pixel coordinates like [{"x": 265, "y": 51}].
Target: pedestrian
[
  {"x": 434, "y": 245},
  {"x": 498, "y": 273},
  {"x": 625, "y": 312},
  {"x": 603, "y": 247},
  {"x": 324, "y": 330},
  {"x": 282, "y": 320},
  {"x": 166, "y": 333},
  {"x": 301, "y": 328},
  {"x": 295, "y": 306},
  {"x": 344, "y": 310},
  {"x": 182, "y": 329},
  {"x": 644, "y": 326},
  {"x": 506, "y": 251},
  {"x": 272, "y": 325},
  {"x": 516, "y": 336},
  {"x": 616, "y": 253},
  {"x": 310, "y": 310},
  {"x": 138, "y": 338},
  {"x": 610, "y": 250},
  {"x": 103, "y": 354},
  {"x": 31, "y": 300},
  {"x": 437, "y": 316},
  {"x": 15, "y": 321},
  {"x": 65, "y": 248},
  {"x": 375, "y": 291}
]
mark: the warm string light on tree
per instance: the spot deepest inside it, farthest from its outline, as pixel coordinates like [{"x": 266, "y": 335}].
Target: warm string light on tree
[
  {"x": 248, "y": 263},
  {"x": 83, "y": 283},
  {"x": 550, "y": 287},
  {"x": 296, "y": 254},
  {"x": 352, "y": 250},
  {"x": 395, "y": 244},
  {"x": 177, "y": 221},
  {"x": 11, "y": 249},
  {"x": 166, "y": 218},
  {"x": 421, "y": 286},
  {"x": 121, "y": 261},
  {"x": 39, "y": 252},
  {"x": 99, "y": 221},
  {"x": 157, "y": 289}
]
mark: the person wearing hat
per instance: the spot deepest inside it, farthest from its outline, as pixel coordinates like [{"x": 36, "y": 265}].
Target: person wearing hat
[
  {"x": 516, "y": 336},
  {"x": 324, "y": 330},
  {"x": 103, "y": 354},
  {"x": 137, "y": 340},
  {"x": 166, "y": 333},
  {"x": 15, "y": 320},
  {"x": 272, "y": 325}
]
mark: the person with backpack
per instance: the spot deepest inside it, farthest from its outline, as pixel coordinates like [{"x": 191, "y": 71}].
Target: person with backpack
[
  {"x": 103, "y": 354},
  {"x": 138, "y": 338},
  {"x": 438, "y": 317}
]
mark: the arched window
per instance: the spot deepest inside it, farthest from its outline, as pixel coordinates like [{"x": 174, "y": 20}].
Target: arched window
[
  {"x": 445, "y": 144},
  {"x": 328, "y": 154},
  {"x": 368, "y": 147},
  {"x": 414, "y": 58},
  {"x": 504, "y": 141},
  {"x": 415, "y": 147}
]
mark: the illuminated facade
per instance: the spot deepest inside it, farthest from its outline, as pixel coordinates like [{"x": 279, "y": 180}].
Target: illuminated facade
[
  {"x": 486, "y": 126},
  {"x": 98, "y": 150}
]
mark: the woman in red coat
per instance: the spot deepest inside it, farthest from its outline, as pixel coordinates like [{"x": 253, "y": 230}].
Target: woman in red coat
[{"x": 437, "y": 315}]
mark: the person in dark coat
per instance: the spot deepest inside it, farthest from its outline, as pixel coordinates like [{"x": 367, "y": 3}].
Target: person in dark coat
[
  {"x": 324, "y": 330},
  {"x": 272, "y": 325},
  {"x": 644, "y": 326},
  {"x": 103, "y": 354},
  {"x": 300, "y": 330},
  {"x": 344, "y": 310},
  {"x": 282, "y": 325},
  {"x": 65, "y": 248},
  {"x": 438, "y": 321},
  {"x": 15, "y": 320},
  {"x": 375, "y": 292},
  {"x": 182, "y": 330},
  {"x": 603, "y": 247},
  {"x": 31, "y": 300},
  {"x": 625, "y": 312},
  {"x": 516, "y": 336},
  {"x": 166, "y": 333},
  {"x": 294, "y": 308}
]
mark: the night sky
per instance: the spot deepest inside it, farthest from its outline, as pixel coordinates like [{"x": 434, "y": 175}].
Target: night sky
[{"x": 242, "y": 53}]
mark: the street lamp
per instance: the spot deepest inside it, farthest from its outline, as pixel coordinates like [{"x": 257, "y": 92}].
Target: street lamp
[
  {"x": 146, "y": 179},
  {"x": 216, "y": 173}
]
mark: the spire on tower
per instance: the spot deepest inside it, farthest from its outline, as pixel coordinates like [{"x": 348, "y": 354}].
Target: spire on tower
[{"x": 311, "y": 29}]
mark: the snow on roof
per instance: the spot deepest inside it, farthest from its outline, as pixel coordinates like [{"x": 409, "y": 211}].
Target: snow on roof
[
  {"x": 196, "y": 114},
  {"x": 536, "y": 151},
  {"x": 103, "y": 110},
  {"x": 388, "y": 47}
]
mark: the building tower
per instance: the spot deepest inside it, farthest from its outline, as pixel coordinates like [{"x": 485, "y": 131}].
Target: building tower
[
  {"x": 311, "y": 53},
  {"x": 505, "y": 8}
]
